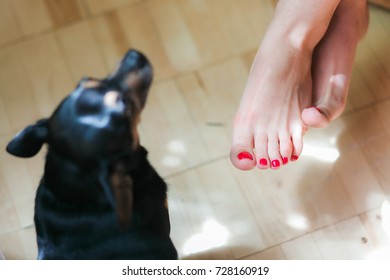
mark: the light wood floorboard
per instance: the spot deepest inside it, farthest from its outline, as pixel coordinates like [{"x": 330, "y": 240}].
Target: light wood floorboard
[{"x": 331, "y": 204}]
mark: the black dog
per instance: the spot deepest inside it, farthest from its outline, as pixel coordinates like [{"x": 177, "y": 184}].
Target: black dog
[{"x": 99, "y": 197}]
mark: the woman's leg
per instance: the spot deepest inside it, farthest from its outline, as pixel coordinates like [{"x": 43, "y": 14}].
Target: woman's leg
[
  {"x": 333, "y": 60},
  {"x": 268, "y": 128}
]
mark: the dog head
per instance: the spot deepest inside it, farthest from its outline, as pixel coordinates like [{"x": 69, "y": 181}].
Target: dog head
[
  {"x": 96, "y": 123},
  {"x": 97, "y": 120}
]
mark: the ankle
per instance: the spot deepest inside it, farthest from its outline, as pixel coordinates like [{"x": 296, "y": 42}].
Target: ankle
[
  {"x": 301, "y": 24},
  {"x": 289, "y": 43},
  {"x": 296, "y": 36}
]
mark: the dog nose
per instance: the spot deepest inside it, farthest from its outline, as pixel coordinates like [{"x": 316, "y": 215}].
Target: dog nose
[{"x": 113, "y": 100}]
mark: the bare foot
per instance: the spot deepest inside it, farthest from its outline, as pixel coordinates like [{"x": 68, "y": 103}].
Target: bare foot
[
  {"x": 333, "y": 60},
  {"x": 268, "y": 128}
]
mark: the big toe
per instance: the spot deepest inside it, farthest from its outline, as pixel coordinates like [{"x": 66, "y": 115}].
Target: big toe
[
  {"x": 241, "y": 153},
  {"x": 330, "y": 103},
  {"x": 242, "y": 157},
  {"x": 315, "y": 117}
]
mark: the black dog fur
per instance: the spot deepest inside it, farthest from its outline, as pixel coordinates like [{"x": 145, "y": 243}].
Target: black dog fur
[{"x": 99, "y": 197}]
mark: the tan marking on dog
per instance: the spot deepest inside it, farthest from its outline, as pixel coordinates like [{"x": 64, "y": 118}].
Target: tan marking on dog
[
  {"x": 134, "y": 131},
  {"x": 122, "y": 186},
  {"x": 90, "y": 84},
  {"x": 134, "y": 79},
  {"x": 135, "y": 120},
  {"x": 110, "y": 98}
]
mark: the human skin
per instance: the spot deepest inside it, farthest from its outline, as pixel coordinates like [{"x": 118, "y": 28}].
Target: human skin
[{"x": 298, "y": 79}]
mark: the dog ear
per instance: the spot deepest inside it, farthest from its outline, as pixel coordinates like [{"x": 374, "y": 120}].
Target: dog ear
[
  {"x": 29, "y": 141},
  {"x": 134, "y": 75}
]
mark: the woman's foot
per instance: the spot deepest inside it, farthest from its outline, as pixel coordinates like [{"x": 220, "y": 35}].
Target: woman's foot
[
  {"x": 332, "y": 62},
  {"x": 268, "y": 128}
]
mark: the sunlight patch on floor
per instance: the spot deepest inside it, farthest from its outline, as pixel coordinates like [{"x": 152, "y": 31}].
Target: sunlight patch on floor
[
  {"x": 383, "y": 253},
  {"x": 297, "y": 221},
  {"x": 176, "y": 152},
  {"x": 213, "y": 235},
  {"x": 326, "y": 154},
  {"x": 386, "y": 218}
]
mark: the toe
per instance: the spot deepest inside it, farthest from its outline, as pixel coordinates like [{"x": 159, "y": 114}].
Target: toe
[
  {"x": 285, "y": 146},
  {"x": 297, "y": 143},
  {"x": 241, "y": 153},
  {"x": 261, "y": 148},
  {"x": 274, "y": 152},
  {"x": 242, "y": 157},
  {"x": 315, "y": 117}
]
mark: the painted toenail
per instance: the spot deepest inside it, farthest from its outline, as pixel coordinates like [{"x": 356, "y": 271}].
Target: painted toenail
[
  {"x": 285, "y": 160},
  {"x": 318, "y": 109},
  {"x": 275, "y": 163},
  {"x": 294, "y": 157},
  {"x": 263, "y": 161},
  {"x": 244, "y": 155}
]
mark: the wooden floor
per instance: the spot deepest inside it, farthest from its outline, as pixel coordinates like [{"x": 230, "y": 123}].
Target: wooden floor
[{"x": 331, "y": 204}]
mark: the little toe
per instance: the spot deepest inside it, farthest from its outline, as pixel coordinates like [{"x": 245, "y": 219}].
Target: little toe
[{"x": 297, "y": 145}]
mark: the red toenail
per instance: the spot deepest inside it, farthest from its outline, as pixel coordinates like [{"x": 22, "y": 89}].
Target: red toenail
[
  {"x": 294, "y": 157},
  {"x": 263, "y": 161},
  {"x": 318, "y": 109},
  {"x": 275, "y": 163},
  {"x": 285, "y": 160},
  {"x": 244, "y": 155}
]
